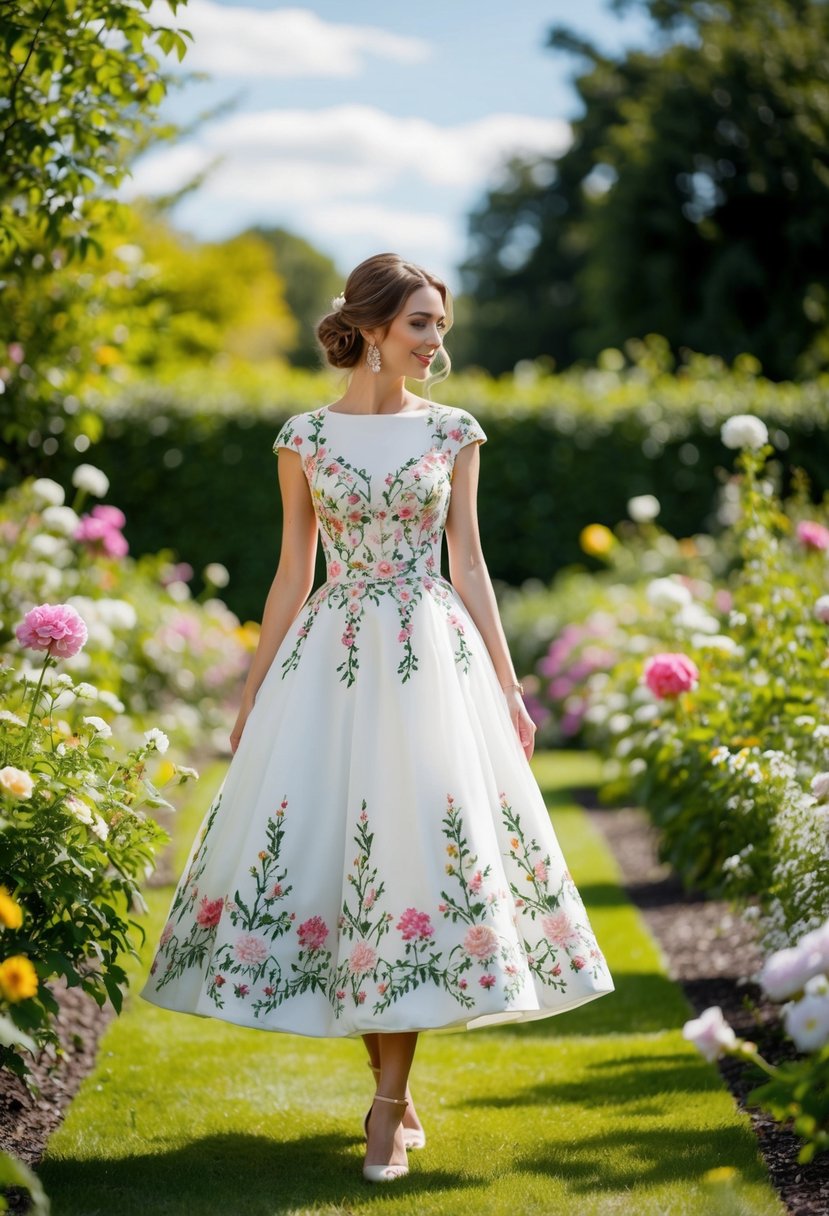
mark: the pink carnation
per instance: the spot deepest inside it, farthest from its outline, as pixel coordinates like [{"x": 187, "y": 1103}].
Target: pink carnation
[
  {"x": 813, "y": 535},
  {"x": 558, "y": 928},
  {"x": 667, "y": 675},
  {"x": 363, "y": 959},
  {"x": 57, "y": 628},
  {"x": 481, "y": 941},
  {"x": 413, "y": 924},
  {"x": 312, "y": 933},
  {"x": 210, "y": 912},
  {"x": 250, "y": 948}
]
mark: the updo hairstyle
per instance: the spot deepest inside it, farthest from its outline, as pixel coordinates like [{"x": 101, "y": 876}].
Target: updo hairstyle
[{"x": 375, "y": 292}]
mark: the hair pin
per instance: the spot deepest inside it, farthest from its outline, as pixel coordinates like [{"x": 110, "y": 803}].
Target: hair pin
[{"x": 338, "y": 303}]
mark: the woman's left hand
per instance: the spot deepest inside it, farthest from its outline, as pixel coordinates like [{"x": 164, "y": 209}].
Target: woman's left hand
[{"x": 524, "y": 726}]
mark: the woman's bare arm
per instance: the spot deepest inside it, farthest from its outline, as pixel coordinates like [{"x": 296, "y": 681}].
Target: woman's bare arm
[{"x": 470, "y": 578}]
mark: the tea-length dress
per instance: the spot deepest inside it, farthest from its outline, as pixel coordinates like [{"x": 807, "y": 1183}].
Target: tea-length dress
[{"x": 379, "y": 856}]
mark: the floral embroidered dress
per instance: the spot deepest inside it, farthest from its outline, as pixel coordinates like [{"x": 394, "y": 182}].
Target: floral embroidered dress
[{"x": 379, "y": 856}]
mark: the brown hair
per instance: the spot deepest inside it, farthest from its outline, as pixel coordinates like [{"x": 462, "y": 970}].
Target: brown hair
[{"x": 375, "y": 292}]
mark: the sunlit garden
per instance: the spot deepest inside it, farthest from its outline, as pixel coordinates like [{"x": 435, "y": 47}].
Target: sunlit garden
[{"x": 641, "y": 328}]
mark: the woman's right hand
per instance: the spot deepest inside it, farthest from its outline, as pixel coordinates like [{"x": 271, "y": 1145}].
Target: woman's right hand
[{"x": 239, "y": 724}]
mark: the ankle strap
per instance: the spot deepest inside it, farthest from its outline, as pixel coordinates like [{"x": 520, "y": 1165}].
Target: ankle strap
[{"x": 396, "y": 1101}]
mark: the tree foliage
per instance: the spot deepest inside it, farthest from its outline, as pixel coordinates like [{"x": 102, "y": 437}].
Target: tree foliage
[
  {"x": 311, "y": 279},
  {"x": 692, "y": 202}
]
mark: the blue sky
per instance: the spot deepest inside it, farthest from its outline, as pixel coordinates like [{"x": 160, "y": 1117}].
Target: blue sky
[{"x": 366, "y": 127}]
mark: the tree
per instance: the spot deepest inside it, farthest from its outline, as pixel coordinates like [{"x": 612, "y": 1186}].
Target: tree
[
  {"x": 311, "y": 280},
  {"x": 693, "y": 201}
]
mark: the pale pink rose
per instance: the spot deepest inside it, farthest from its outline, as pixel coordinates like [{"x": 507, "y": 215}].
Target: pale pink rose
[
  {"x": 384, "y": 568},
  {"x": 558, "y": 928},
  {"x": 481, "y": 941},
  {"x": 250, "y": 948},
  {"x": 363, "y": 959},
  {"x": 335, "y": 569},
  {"x": 16, "y": 781},
  {"x": 414, "y": 924},
  {"x": 56, "y": 628},
  {"x": 406, "y": 512},
  {"x": 312, "y": 933},
  {"x": 578, "y": 962},
  {"x": 210, "y": 912},
  {"x": 812, "y": 534},
  {"x": 710, "y": 1033},
  {"x": 668, "y": 675}
]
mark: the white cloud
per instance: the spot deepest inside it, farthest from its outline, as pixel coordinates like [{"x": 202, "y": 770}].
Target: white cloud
[
  {"x": 295, "y": 156},
  {"x": 285, "y": 42}
]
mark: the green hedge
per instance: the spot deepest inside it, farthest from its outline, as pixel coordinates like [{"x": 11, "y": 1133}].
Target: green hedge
[{"x": 191, "y": 462}]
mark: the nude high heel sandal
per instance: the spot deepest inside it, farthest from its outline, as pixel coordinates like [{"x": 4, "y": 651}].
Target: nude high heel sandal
[
  {"x": 385, "y": 1173},
  {"x": 413, "y": 1137}
]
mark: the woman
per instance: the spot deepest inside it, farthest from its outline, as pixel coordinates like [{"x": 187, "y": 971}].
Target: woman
[{"x": 379, "y": 860}]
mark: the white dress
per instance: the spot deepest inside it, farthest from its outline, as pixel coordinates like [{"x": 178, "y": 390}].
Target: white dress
[{"x": 379, "y": 856}]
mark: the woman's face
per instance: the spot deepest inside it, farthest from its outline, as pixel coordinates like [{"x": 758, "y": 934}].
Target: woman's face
[{"x": 415, "y": 335}]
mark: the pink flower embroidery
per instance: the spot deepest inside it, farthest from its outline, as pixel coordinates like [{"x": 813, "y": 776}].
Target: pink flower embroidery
[
  {"x": 481, "y": 941},
  {"x": 57, "y": 628},
  {"x": 210, "y": 912},
  {"x": 487, "y": 981},
  {"x": 578, "y": 962},
  {"x": 335, "y": 569},
  {"x": 540, "y": 871},
  {"x": 312, "y": 933},
  {"x": 250, "y": 948},
  {"x": 166, "y": 934},
  {"x": 361, "y": 996},
  {"x": 475, "y": 882},
  {"x": 558, "y": 928},
  {"x": 384, "y": 568},
  {"x": 414, "y": 924},
  {"x": 363, "y": 959},
  {"x": 275, "y": 891}
]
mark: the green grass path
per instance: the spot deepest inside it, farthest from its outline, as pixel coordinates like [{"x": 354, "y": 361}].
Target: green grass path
[{"x": 605, "y": 1109}]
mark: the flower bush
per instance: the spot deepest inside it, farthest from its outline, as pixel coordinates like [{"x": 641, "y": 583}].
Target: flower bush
[
  {"x": 796, "y": 1091},
  {"x": 75, "y": 840}
]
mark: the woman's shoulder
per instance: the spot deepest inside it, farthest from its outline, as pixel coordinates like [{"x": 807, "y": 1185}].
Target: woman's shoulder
[{"x": 459, "y": 424}]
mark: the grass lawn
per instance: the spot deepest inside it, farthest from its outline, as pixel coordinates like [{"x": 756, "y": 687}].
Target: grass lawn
[{"x": 605, "y": 1109}]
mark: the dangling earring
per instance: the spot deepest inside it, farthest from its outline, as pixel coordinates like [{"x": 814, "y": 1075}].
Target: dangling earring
[{"x": 373, "y": 358}]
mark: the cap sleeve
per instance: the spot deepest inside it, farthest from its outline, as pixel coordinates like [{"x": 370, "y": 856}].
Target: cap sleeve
[
  {"x": 465, "y": 429},
  {"x": 289, "y": 435}
]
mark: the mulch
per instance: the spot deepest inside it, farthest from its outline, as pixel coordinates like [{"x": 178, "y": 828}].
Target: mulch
[{"x": 707, "y": 949}]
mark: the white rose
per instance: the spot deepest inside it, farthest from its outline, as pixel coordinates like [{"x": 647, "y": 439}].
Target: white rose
[
  {"x": 88, "y": 477},
  {"x": 642, "y": 508},
  {"x": 667, "y": 593},
  {"x": 744, "y": 431},
  {"x": 16, "y": 781},
  {"x": 60, "y": 519},
  {"x": 100, "y": 727},
  {"x": 820, "y": 786},
  {"x": 100, "y": 826},
  {"x": 807, "y": 1022},
  {"x": 157, "y": 738},
  {"x": 48, "y": 491},
  {"x": 710, "y": 1033},
  {"x": 822, "y": 609},
  {"x": 217, "y": 574},
  {"x": 78, "y": 808}
]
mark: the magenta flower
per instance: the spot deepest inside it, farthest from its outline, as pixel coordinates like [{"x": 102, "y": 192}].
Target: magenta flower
[
  {"x": 813, "y": 535},
  {"x": 312, "y": 933},
  {"x": 414, "y": 924},
  {"x": 668, "y": 675},
  {"x": 57, "y": 628},
  {"x": 101, "y": 529}
]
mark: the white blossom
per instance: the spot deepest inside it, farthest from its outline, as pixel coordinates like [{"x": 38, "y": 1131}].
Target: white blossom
[
  {"x": 60, "y": 519},
  {"x": 667, "y": 593},
  {"x": 643, "y": 508},
  {"x": 100, "y": 727},
  {"x": 820, "y": 786},
  {"x": 48, "y": 491},
  {"x": 807, "y": 1022},
  {"x": 110, "y": 699},
  {"x": 785, "y": 972},
  {"x": 217, "y": 574},
  {"x": 744, "y": 431},
  {"x": 710, "y": 1033},
  {"x": 93, "y": 480},
  {"x": 822, "y": 609},
  {"x": 99, "y": 826},
  {"x": 158, "y": 739}
]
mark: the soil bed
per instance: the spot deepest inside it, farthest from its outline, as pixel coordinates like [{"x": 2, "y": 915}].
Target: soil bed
[{"x": 708, "y": 950}]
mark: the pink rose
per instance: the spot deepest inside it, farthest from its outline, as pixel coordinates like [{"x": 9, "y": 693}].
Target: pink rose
[
  {"x": 668, "y": 675},
  {"x": 481, "y": 941},
  {"x": 250, "y": 948},
  {"x": 56, "y": 628},
  {"x": 335, "y": 569},
  {"x": 577, "y": 962},
  {"x": 210, "y": 912},
  {"x": 487, "y": 981},
  {"x": 558, "y": 928},
  {"x": 384, "y": 568},
  {"x": 363, "y": 959},
  {"x": 312, "y": 933},
  {"x": 414, "y": 924},
  {"x": 812, "y": 534}
]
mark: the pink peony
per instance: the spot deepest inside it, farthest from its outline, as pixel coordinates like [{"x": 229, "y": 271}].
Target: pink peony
[
  {"x": 101, "y": 527},
  {"x": 250, "y": 948},
  {"x": 558, "y": 928},
  {"x": 57, "y": 628},
  {"x": 813, "y": 535},
  {"x": 210, "y": 912},
  {"x": 312, "y": 933},
  {"x": 414, "y": 924},
  {"x": 667, "y": 675},
  {"x": 481, "y": 941},
  {"x": 363, "y": 959}
]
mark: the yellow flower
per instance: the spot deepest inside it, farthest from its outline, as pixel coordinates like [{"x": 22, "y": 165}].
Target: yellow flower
[
  {"x": 451, "y": 849},
  {"x": 515, "y": 842},
  {"x": 105, "y": 356},
  {"x": 18, "y": 978},
  {"x": 596, "y": 540},
  {"x": 11, "y": 914}
]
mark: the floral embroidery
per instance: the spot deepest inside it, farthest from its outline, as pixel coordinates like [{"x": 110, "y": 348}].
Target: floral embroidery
[{"x": 380, "y": 540}]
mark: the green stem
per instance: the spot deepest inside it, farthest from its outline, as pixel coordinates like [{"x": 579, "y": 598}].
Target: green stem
[{"x": 35, "y": 700}]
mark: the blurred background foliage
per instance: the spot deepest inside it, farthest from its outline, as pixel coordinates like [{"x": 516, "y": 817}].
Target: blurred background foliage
[{"x": 688, "y": 215}]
